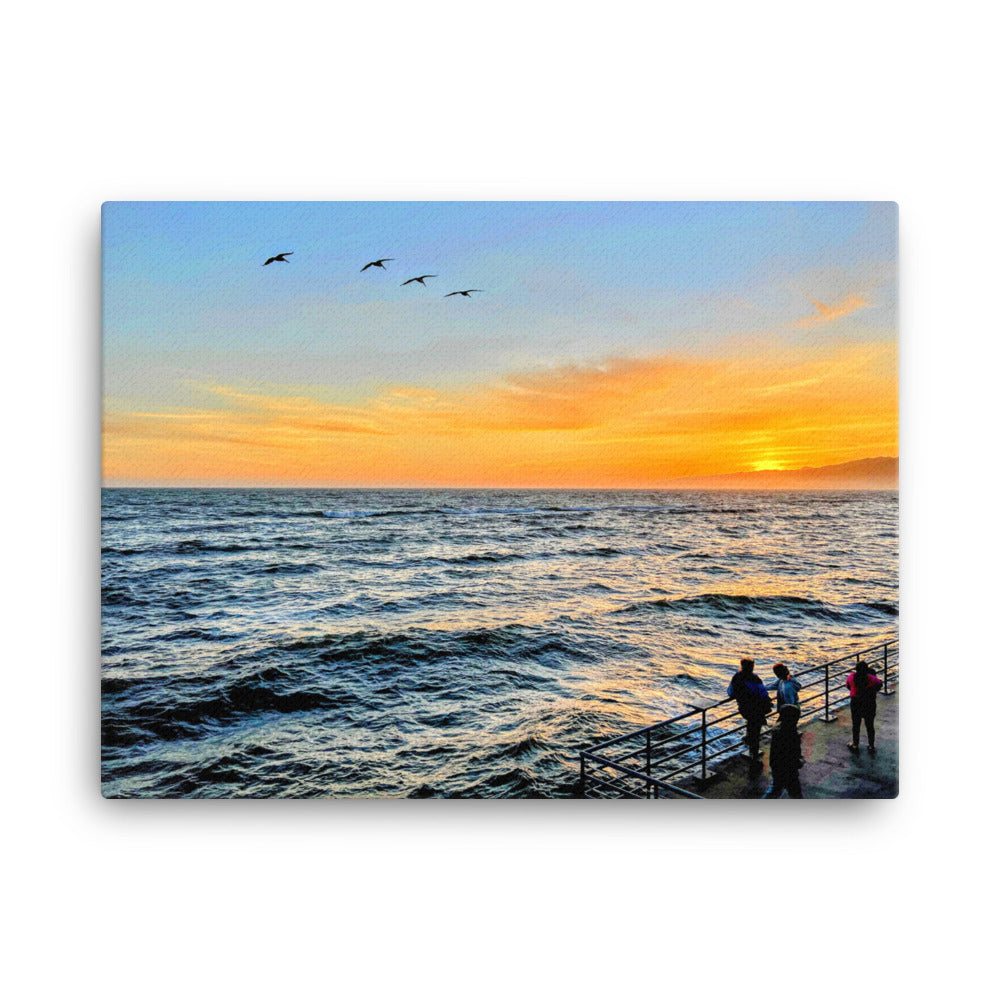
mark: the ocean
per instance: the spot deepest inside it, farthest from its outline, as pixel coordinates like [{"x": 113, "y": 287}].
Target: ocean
[{"x": 394, "y": 643}]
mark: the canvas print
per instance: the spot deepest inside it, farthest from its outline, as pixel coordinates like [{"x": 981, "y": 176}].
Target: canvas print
[{"x": 499, "y": 500}]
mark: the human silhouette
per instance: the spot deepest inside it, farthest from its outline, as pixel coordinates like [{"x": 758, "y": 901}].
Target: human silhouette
[
  {"x": 786, "y": 688},
  {"x": 863, "y": 685},
  {"x": 754, "y": 705},
  {"x": 786, "y": 755}
]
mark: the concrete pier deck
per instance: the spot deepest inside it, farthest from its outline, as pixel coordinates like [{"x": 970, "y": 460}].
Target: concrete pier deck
[{"x": 831, "y": 770}]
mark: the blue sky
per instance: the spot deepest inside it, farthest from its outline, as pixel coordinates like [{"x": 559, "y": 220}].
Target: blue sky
[
  {"x": 588, "y": 314},
  {"x": 185, "y": 296}
]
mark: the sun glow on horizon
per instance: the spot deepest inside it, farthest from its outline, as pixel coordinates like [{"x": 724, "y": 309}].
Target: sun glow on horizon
[
  {"x": 613, "y": 345},
  {"x": 625, "y": 422}
]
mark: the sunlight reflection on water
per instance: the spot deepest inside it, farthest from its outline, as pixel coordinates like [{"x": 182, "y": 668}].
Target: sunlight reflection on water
[{"x": 461, "y": 642}]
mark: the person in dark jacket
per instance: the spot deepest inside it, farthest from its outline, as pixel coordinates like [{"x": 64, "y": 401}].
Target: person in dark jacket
[
  {"x": 863, "y": 685},
  {"x": 786, "y": 755},
  {"x": 754, "y": 704}
]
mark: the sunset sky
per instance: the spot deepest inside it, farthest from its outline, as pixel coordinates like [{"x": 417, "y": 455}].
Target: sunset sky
[{"x": 614, "y": 344}]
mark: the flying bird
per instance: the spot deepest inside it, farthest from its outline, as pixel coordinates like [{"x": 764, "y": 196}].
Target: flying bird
[
  {"x": 420, "y": 279},
  {"x": 465, "y": 293},
  {"x": 377, "y": 263},
  {"x": 279, "y": 256}
]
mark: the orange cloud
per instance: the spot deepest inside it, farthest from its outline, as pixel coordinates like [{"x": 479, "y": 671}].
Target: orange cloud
[
  {"x": 625, "y": 422},
  {"x": 825, "y": 314}
]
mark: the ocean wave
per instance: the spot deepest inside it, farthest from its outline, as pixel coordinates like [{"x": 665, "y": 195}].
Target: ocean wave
[
  {"x": 277, "y": 513},
  {"x": 423, "y": 511},
  {"x": 289, "y": 569},
  {"x": 494, "y": 511},
  {"x": 120, "y": 595},
  {"x": 359, "y": 514},
  {"x": 189, "y": 546},
  {"x": 744, "y": 606},
  {"x": 599, "y": 551},
  {"x": 444, "y": 719},
  {"x": 524, "y": 747},
  {"x": 137, "y": 709},
  {"x": 204, "y": 634},
  {"x": 192, "y": 546},
  {"x": 145, "y": 707},
  {"x": 519, "y": 679},
  {"x": 424, "y": 792},
  {"x": 370, "y": 605},
  {"x": 471, "y": 512},
  {"x": 886, "y": 607},
  {"x": 368, "y": 650},
  {"x": 482, "y": 557},
  {"x": 514, "y": 783}
]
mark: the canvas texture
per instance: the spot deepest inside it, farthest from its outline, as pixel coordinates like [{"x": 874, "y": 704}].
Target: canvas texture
[{"x": 500, "y": 500}]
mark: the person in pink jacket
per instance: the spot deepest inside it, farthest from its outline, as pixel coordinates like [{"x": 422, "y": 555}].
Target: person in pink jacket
[{"x": 863, "y": 685}]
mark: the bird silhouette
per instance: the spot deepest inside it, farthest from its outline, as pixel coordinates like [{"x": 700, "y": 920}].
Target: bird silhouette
[
  {"x": 465, "y": 293},
  {"x": 420, "y": 279},
  {"x": 377, "y": 263},
  {"x": 279, "y": 256}
]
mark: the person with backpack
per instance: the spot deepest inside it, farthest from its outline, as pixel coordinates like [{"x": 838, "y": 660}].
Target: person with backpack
[
  {"x": 754, "y": 704},
  {"x": 863, "y": 685}
]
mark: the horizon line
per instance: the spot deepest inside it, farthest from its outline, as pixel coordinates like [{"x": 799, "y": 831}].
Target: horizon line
[
  {"x": 710, "y": 482},
  {"x": 512, "y": 489}
]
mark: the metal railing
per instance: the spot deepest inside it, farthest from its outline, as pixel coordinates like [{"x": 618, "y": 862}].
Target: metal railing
[{"x": 651, "y": 762}]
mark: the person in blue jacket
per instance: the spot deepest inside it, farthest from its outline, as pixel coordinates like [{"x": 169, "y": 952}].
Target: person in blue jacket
[
  {"x": 754, "y": 704},
  {"x": 787, "y": 688}
]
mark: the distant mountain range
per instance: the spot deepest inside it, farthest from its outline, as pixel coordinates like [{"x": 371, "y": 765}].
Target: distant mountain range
[{"x": 865, "y": 474}]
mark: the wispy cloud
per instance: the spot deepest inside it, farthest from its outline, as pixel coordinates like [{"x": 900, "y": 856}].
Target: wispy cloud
[
  {"x": 826, "y": 314},
  {"x": 619, "y": 422}
]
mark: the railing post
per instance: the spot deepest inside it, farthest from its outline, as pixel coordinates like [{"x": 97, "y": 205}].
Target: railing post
[
  {"x": 826, "y": 685},
  {"x": 704, "y": 745},
  {"x": 583, "y": 776},
  {"x": 648, "y": 761},
  {"x": 885, "y": 669}
]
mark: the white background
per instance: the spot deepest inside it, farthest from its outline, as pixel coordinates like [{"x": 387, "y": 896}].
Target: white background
[{"x": 522, "y": 100}]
